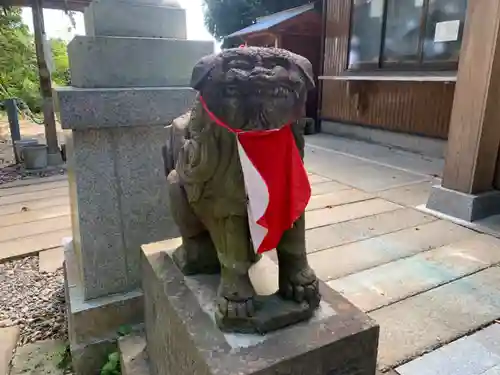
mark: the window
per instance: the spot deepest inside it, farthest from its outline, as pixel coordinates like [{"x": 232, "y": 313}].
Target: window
[{"x": 406, "y": 34}]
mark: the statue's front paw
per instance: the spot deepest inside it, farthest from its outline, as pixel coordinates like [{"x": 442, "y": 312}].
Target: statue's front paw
[
  {"x": 236, "y": 309},
  {"x": 300, "y": 286}
]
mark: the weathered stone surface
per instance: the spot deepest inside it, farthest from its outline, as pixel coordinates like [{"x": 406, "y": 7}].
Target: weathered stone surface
[
  {"x": 317, "y": 179},
  {"x": 339, "y": 339},
  {"x": 51, "y": 260},
  {"x": 93, "y": 324},
  {"x": 463, "y": 206},
  {"x": 132, "y": 19},
  {"x": 146, "y": 106},
  {"x": 134, "y": 62},
  {"x": 327, "y": 216},
  {"x": 328, "y": 187},
  {"x": 99, "y": 316},
  {"x": 347, "y": 259},
  {"x": 8, "y": 342},
  {"x": 363, "y": 228},
  {"x": 412, "y": 326},
  {"x": 41, "y": 358},
  {"x": 353, "y": 171},
  {"x": 336, "y": 199},
  {"x": 477, "y": 354},
  {"x": 133, "y": 354},
  {"x": 128, "y": 207},
  {"x": 412, "y": 195},
  {"x": 391, "y": 282}
]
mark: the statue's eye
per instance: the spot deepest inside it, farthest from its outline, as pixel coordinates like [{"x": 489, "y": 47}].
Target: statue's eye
[
  {"x": 231, "y": 91},
  {"x": 240, "y": 64}
]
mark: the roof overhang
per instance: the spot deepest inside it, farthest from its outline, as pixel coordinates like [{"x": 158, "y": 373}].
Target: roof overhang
[{"x": 271, "y": 21}]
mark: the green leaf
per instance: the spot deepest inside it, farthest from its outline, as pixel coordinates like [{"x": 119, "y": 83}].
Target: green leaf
[{"x": 125, "y": 330}]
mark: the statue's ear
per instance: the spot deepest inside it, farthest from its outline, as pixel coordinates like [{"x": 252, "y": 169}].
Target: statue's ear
[
  {"x": 306, "y": 68},
  {"x": 201, "y": 70}
]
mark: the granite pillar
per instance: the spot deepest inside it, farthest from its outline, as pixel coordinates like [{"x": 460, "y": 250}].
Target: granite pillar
[{"x": 130, "y": 78}]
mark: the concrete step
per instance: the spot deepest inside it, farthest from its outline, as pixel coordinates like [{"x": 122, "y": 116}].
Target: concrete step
[
  {"x": 133, "y": 355},
  {"x": 8, "y": 342}
]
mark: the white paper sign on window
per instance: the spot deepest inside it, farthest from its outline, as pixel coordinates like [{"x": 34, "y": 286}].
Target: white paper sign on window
[
  {"x": 376, "y": 8},
  {"x": 419, "y": 3},
  {"x": 447, "y": 31}
]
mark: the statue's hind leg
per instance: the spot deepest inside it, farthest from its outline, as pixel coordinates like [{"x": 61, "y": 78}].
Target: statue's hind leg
[{"x": 197, "y": 254}]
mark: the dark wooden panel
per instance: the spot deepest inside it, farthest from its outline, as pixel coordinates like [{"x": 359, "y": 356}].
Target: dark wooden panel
[
  {"x": 416, "y": 108},
  {"x": 309, "y": 47}
]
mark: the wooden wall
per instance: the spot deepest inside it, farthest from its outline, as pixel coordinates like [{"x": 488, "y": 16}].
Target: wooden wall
[{"x": 416, "y": 108}]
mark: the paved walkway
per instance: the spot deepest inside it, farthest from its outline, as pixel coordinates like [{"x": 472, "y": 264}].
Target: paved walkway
[{"x": 427, "y": 282}]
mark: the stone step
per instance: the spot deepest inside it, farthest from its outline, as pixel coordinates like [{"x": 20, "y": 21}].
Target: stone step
[
  {"x": 360, "y": 229},
  {"x": 421, "y": 323},
  {"x": 134, "y": 62},
  {"x": 132, "y": 106},
  {"x": 8, "y": 342},
  {"x": 336, "y": 199},
  {"x": 333, "y": 215},
  {"x": 105, "y": 18},
  {"x": 133, "y": 355},
  {"x": 380, "y": 286},
  {"x": 337, "y": 262}
]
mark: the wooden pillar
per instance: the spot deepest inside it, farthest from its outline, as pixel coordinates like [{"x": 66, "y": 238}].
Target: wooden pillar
[
  {"x": 49, "y": 118},
  {"x": 474, "y": 136}
]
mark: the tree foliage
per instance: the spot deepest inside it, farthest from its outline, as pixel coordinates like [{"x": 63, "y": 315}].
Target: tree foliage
[
  {"x": 224, "y": 17},
  {"x": 18, "y": 65}
]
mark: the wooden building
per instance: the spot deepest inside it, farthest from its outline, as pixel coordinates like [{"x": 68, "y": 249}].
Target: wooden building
[
  {"x": 298, "y": 30},
  {"x": 391, "y": 64}
]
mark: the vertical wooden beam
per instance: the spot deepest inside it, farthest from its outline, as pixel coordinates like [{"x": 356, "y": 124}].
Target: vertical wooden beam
[
  {"x": 49, "y": 118},
  {"x": 474, "y": 136}
]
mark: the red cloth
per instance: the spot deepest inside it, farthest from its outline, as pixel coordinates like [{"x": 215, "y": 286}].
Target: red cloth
[{"x": 276, "y": 181}]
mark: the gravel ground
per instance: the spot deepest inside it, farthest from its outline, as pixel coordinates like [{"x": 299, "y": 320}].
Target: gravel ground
[{"x": 32, "y": 300}]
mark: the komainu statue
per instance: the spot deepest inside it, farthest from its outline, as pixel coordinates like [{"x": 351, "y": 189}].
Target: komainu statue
[{"x": 238, "y": 186}]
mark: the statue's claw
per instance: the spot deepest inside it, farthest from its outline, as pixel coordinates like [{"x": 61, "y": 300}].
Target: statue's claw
[
  {"x": 301, "y": 286},
  {"x": 236, "y": 309}
]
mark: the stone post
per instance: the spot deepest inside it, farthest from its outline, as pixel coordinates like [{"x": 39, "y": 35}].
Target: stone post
[{"x": 130, "y": 77}]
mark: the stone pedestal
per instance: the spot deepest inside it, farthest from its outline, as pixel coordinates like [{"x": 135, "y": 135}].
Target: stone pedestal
[
  {"x": 130, "y": 78},
  {"x": 468, "y": 207},
  {"x": 183, "y": 339}
]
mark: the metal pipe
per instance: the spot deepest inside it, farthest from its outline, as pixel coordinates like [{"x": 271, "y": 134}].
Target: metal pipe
[{"x": 15, "y": 131}]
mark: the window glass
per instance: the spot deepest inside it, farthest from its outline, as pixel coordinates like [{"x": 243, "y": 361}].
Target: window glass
[
  {"x": 444, "y": 30},
  {"x": 366, "y": 35},
  {"x": 403, "y": 29}
]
